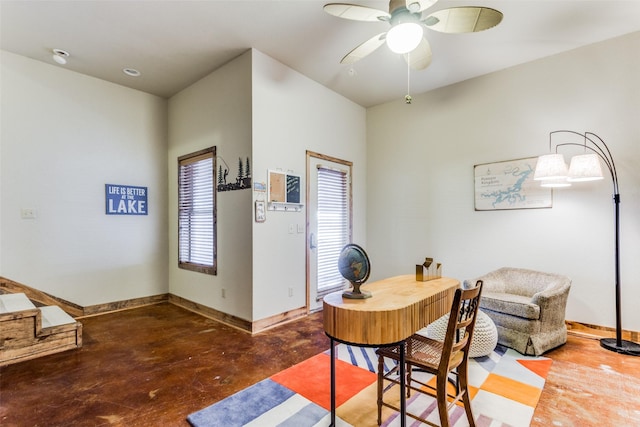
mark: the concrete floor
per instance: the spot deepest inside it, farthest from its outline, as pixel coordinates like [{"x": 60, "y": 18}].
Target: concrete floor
[{"x": 154, "y": 365}]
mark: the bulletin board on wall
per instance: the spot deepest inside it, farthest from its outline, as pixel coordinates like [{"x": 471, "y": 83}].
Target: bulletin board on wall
[{"x": 284, "y": 191}]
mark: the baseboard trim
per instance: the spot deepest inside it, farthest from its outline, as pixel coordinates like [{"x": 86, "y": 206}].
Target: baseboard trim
[
  {"x": 586, "y": 330},
  {"x": 237, "y": 322},
  {"x": 110, "y": 307},
  {"x": 41, "y": 298},
  {"x": 278, "y": 320},
  {"x": 211, "y": 313},
  {"x": 79, "y": 312}
]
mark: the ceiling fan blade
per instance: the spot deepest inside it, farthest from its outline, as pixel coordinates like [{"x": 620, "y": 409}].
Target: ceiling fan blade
[
  {"x": 469, "y": 19},
  {"x": 414, "y": 6},
  {"x": 364, "y": 49},
  {"x": 355, "y": 12},
  {"x": 420, "y": 57}
]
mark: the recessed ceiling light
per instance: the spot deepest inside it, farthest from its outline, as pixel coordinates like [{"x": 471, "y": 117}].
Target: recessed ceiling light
[
  {"x": 131, "y": 72},
  {"x": 60, "y": 56}
]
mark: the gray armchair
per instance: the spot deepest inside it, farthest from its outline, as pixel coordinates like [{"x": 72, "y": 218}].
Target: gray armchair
[{"x": 528, "y": 308}]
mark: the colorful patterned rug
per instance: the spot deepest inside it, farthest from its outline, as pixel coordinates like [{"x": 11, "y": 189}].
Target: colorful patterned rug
[{"x": 505, "y": 388}]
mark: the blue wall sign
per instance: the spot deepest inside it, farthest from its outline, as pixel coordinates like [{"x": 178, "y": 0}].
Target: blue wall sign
[{"x": 125, "y": 200}]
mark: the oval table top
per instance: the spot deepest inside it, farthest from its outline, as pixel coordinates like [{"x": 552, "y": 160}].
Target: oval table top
[{"x": 399, "y": 306}]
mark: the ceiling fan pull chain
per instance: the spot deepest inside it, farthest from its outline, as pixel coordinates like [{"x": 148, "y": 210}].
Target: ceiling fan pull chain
[{"x": 407, "y": 97}]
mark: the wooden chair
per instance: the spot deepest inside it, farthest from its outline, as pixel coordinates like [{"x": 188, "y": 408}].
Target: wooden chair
[{"x": 444, "y": 360}]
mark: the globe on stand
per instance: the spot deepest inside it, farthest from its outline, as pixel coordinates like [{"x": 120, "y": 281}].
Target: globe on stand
[{"x": 354, "y": 266}]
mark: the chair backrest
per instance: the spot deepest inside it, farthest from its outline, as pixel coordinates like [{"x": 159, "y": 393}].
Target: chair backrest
[
  {"x": 462, "y": 320},
  {"x": 521, "y": 281}
]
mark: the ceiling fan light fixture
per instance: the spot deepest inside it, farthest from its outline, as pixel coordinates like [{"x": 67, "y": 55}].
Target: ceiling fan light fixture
[
  {"x": 404, "y": 37},
  {"x": 407, "y": 23}
]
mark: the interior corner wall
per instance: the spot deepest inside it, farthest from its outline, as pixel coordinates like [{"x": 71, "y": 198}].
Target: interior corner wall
[
  {"x": 64, "y": 136},
  {"x": 293, "y": 114},
  {"x": 216, "y": 111},
  {"x": 420, "y": 199}
]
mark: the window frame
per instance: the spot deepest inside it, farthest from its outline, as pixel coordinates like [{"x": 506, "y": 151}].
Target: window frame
[{"x": 188, "y": 159}]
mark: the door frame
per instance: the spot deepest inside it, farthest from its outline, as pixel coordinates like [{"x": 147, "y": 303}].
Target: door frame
[{"x": 308, "y": 253}]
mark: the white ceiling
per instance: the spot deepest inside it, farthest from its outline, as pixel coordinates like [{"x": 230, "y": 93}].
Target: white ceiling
[{"x": 175, "y": 43}]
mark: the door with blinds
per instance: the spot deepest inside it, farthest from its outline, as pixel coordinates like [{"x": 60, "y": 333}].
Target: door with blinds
[{"x": 329, "y": 224}]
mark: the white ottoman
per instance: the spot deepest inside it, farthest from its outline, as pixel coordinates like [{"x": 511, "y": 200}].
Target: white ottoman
[{"x": 485, "y": 334}]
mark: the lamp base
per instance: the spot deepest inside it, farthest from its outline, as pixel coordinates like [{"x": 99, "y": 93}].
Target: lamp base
[{"x": 626, "y": 347}]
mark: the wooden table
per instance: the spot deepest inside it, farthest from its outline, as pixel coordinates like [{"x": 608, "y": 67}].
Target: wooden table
[{"x": 399, "y": 306}]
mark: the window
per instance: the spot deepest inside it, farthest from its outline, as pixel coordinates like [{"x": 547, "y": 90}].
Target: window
[
  {"x": 333, "y": 227},
  {"x": 197, "y": 212}
]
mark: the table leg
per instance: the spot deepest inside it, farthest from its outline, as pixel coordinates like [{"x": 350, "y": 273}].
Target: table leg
[
  {"x": 403, "y": 392},
  {"x": 333, "y": 384}
]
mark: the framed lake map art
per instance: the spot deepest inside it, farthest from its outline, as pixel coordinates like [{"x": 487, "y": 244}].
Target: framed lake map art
[{"x": 509, "y": 185}]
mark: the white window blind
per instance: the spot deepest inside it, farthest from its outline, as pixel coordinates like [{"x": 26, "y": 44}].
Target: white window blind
[
  {"x": 333, "y": 226},
  {"x": 197, "y": 212}
]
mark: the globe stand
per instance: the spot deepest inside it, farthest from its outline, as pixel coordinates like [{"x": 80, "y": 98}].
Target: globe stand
[
  {"x": 356, "y": 293},
  {"x": 354, "y": 265}
]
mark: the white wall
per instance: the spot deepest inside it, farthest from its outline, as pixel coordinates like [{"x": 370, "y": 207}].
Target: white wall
[
  {"x": 64, "y": 136},
  {"x": 420, "y": 176},
  {"x": 255, "y": 106},
  {"x": 292, "y": 114},
  {"x": 216, "y": 111}
]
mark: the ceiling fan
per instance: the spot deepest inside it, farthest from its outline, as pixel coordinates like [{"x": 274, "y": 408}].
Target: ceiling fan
[{"x": 407, "y": 21}]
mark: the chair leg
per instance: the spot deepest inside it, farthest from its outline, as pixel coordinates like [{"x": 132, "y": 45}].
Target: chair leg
[
  {"x": 380, "y": 384},
  {"x": 441, "y": 397},
  {"x": 463, "y": 381},
  {"x": 409, "y": 368}
]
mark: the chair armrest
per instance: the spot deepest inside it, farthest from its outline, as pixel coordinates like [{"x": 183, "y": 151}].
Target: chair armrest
[
  {"x": 553, "y": 303},
  {"x": 544, "y": 297}
]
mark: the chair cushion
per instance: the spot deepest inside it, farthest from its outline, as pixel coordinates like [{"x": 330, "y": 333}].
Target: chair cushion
[
  {"x": 516, "y": 305},
  {"x": 485, "y": 334}
]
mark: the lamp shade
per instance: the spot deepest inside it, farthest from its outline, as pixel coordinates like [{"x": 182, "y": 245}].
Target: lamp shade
[
  {"x": 585, "y": 167},
  {"x": 555, "y": 183},
  {"x": 550, "y": 167},
  {"x": 404, "y": 37}
]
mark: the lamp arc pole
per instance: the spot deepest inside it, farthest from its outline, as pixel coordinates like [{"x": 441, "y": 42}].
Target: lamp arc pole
[{"x": 600, "y": 148}]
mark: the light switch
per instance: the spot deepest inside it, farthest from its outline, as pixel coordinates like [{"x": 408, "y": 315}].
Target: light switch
[
  {"x": 292, "y": 228},
  {"x": 300, "y": 228}
]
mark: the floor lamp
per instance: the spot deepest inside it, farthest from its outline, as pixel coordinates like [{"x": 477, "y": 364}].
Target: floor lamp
[{"x": 552, "y": 171}]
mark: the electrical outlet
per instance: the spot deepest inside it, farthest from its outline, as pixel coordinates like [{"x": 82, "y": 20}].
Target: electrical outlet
[
  {"x": 290, "y": 292},
  {"x": 224, "y": 293},
  {"x": 300, "y": 228},
  {"x": 27, "y": 213}
]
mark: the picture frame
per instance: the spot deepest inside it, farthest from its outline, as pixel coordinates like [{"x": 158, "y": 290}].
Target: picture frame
[
  {"x": 284, "y": 191},
  {"x": 277, "y": 187},
  {"x": 260, "y": 211},
  {"x": 509, "y": 184}
]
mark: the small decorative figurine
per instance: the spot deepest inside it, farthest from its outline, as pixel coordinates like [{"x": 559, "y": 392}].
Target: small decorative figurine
[{"x": 429, "y": 270}]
